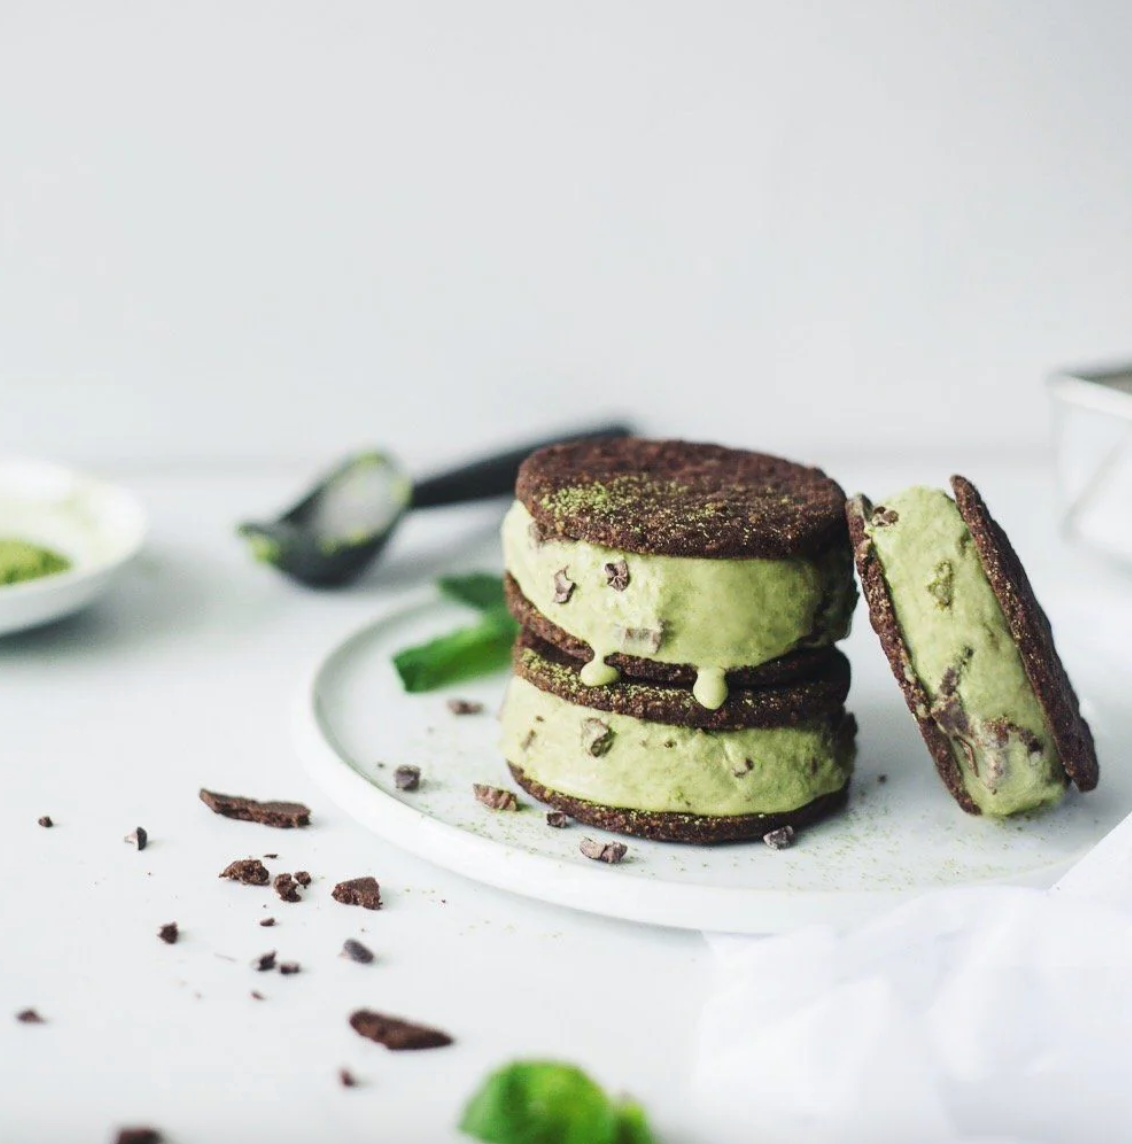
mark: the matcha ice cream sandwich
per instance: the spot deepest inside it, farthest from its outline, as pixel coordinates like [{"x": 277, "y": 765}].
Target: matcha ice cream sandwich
[
  {"x": 971, "y": 649},
  {"x": 679, "y": 563},
  {"x": 647, "y": 759}
]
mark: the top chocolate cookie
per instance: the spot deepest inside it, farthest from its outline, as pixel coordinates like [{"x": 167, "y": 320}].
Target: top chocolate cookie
[{"x": 679, "y": 498}]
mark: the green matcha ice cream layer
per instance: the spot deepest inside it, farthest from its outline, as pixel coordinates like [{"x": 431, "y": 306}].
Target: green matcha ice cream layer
[
  {"x": 963, "y": 654},
  {"x": 21, "y": 560},
  {"x": 619, "y": 761},
  {"x": 716, "y": 614}
]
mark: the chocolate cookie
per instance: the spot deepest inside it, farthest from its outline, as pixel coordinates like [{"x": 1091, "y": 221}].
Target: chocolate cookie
[
  {"x": 678, "y": 498},
  {"x": 664, "y": 826},
  {"x": 801, "y": 664},
  {"x": 800, "y": 701}
]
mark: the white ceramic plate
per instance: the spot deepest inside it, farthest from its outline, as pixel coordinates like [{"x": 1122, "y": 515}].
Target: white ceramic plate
[
  {"x": 898, "y": 838},
  {"x": 99, "y": 527}
]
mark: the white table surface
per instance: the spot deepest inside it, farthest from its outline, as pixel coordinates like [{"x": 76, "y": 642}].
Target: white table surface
[{"x": 184, "y": 678}]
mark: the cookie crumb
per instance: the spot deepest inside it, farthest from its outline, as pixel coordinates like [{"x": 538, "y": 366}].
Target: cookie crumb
[
  {"x": 396, "y": 1034},
  {"x": 287, "y": 888},
  {"x": 138, "y": 1136},
  {"x": 611, "y": 852},
  {"x": 267, "y": 921},
  {"x": 364, "y": 892},
  {"x": 279, "y": 814},
  {"x": 557, "y": 819},
  {"x": 249, "y": 871},
  {"x": 45, "y": 820},
  {"x": 780, "y": 839},
  {"x": 407, "y": 778},
  {"x": 882, "y": 778},
  {"x": 289, "y": 967},
  {"x": 347, "y": 1079},
  {"x": 464, "y": 706},
  {"x": 495, "y": 797},
  {"x": 303, "y": 878},
  {"x": 30, "y": 1017},
  {"x": 169, "y": 933},
  {"x": 355, "y": 951},
  {"x": 138, "y": 837},
  {"x": 265, "y": 962},
  {"x": 257, "y": 995},
  {"x": 563, "y": 586},
  {"x": 617, "y": 575}
]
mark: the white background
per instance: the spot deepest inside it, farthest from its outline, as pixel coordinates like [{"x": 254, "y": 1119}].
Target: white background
[{"x": 280, "y": 230}]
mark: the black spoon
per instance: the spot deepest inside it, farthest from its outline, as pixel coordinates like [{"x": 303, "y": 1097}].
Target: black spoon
[{"x": 331, "y": 536}]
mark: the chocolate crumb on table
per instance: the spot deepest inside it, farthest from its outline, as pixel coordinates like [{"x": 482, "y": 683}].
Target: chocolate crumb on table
[
  {"x": 265, "y": 962},
  {"x": 611, "y": 852},
  {"x": 45, "y": 821},
  {"x": 780, "y": 839},
  {"x": 882, "y": 778},
  {"x": 249, "y": 871},
  {"x": 364, "y": 892},
  {"x": 169, "y": 933},
  {"x": 138, "y": 1136},
  {"x": 257, "y": 995},
  {"x": 495, "y": 797},
  {"x": 287, "y": 888},
  {"x": 289, "y": 967},
  {"x": 303, "y": 878},
  {"x": 283, "y": 815},
  {"x": 407, "y": 778},
  {"x": 30, "y": 1017},
  {"x": 347, "y": 1078},
  {"x": 557, "y": 818},
  {"x": 267, "y": 921},
  {"x": 464, "y": 706},
  {"x": 396, "y": 1034},
  {"x": 271, "y": 856},
  {"x": 138, "y": 837},
  {"x": 355, "y": 951}
]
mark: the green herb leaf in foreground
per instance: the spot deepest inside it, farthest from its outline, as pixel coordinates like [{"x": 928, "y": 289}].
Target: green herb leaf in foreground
[
  {"x": 478, "y": 650},
  {"x": 482, "y": 590},
  {"x": 543, "y": 1102}
]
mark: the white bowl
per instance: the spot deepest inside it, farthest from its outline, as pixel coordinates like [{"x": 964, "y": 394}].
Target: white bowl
[{"x": 99, "y": 527}]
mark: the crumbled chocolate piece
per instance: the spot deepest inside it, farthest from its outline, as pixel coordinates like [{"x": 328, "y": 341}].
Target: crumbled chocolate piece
[
  {"x": 364, "y": 892},
  {"x": 355, "y": 951},
  {"x": 257, "y": 995},
  {"x": 271, "y": 856},
  {"x": 597, "y": 737},
  {"x": 139, "y": 1136},
  {"x": 882, "y": 778},
  {"x": 30, "y": 1017},
  {"x": 287, "y": 888},
  {"x": 495, "y": 797},
  {"x": 563, "y": 587},
  {"x": 464, "y": 706},
  {"x": 303, "y": 878},
  {"x": 611, "y": 852},
  {"x": 396, "y": 1034},
  {"x": 138, "y": 837},
  {"x": 265, "y": 962},
  {"x": 617, "y": 575},
  {"x": 780, "y": 839},
  {"x": 884, "y": 517},
  {"x": 528, "y": 739},
  {"x": 45, "y": 821},
  {"x": 169, "y": 933},
  {"x": 557, "y": 819},
  {"x": 347, "y": 1078},
  {"x": 267, "y": 921},
  {"x": 289, "y": 967},
  {"x": 407, "y": 778},
  {"x": 281, "y": 814},
  {"x": 249, "y": 871}
]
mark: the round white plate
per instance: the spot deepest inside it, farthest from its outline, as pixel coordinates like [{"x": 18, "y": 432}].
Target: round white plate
[
  {"x": 899, "y": 837},
  {"x": 99, "y": 527}
]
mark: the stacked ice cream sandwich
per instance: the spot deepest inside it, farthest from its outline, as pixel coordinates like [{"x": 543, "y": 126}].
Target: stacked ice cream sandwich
[{"x": 676, "y": 675}]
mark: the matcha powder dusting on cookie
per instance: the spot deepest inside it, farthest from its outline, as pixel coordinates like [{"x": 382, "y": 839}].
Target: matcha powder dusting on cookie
[{"x": 20, "y": 560}]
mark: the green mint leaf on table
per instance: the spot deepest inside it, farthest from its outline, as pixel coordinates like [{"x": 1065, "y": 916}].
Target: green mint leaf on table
[
  {"x": 543, "y": 1102},
  {"x": 482, "y": 590},
  {"x": 468, "y": 652}
]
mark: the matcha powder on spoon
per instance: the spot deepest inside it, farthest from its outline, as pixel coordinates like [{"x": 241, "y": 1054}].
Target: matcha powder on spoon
[{"x": 20, "y": 560}]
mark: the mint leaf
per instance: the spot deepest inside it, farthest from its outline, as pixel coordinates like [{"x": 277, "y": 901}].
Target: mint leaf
[
  {"x": 544, "y": 1102},
  {"x": 463, "y": 654},
  {"x": 480, "y": 590}
]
